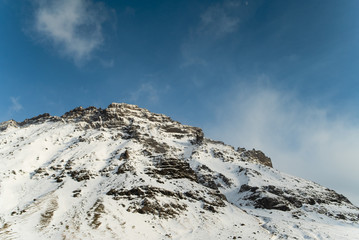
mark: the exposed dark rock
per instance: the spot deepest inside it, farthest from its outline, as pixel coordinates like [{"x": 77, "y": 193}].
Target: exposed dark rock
[
  {"x": 156, "y": 146},
  {"x": 293, "y": 200},
  {"x": 174, "y": 129},
  {"x": 143, "y": 191},
  {"x": 245, "y": 188},
  {"x": 125, "y": 167},
  {"x": 38, "y": 119},
  {"x": 256, "y": 155},
  {"x": 337, "y": 198},
  {"x": 7, "y": 124},
  {"x": 199, "y": 136},
  {"x": 149, "y": 194},
  {"x": 218, "y": 154},
  {"x": 271, "y": 203},
  {"x": 76, "y": 193},
  {"x": 120, "y": 115},
  {"x": 204, "y": 167},
  {"x": 224, "y": 179},
  {"x": 272, "y": 197},
  {"x": 131, "y": 131},
  {"x": 80, "y": 175},
  {"x": 214, "y": 141},
  {"x": 46, "y": 216},
  {"x": 208, "y": 181},
  {"x": 125, "y": 155},
  {"x": 82, "y": 139},
  {"x": 273, "y": 189},
  {"x": 157, "y": 209},
  {"x": 173, "y": 168},
  {"x": 96, "y": 211},
  {"x": 209, "y": 208},
  {"x": 310, "y": 201}
]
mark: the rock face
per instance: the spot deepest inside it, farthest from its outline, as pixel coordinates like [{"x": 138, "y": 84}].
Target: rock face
[
  {"x": 256, "y": 156},
  {"x": 126, "y": 173}
]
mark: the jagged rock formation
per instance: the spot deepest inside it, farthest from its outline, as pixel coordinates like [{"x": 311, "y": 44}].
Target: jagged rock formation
[{"x": 124, "y": 172}]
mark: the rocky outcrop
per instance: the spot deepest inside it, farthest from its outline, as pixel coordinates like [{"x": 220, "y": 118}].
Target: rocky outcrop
[
  {"x": 135, "y": 123},
  {"x": 8, "y": 124},
  {"x": 255, "y": 155}
]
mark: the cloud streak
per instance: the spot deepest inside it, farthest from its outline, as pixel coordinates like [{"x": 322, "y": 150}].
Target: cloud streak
[
  {"x": 146, "y": 92},
  {"x": 304, "y": 140},
  {"x": 15, "y": 105},
  {"x": 12, "y": 109},
  {"x": 218, "y": 20},
  {"x": 215, "y": 23},
  {"x": 74, "y": 27}
]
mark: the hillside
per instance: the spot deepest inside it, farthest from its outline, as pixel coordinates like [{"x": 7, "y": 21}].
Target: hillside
[{"x": 126, "y": 173}]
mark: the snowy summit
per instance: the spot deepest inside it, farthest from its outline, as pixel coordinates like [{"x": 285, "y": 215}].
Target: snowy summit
[{"x": 126, "y": 173}]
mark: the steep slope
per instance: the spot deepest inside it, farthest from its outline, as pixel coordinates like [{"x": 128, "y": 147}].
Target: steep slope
[{"x": 125, "y": 173}]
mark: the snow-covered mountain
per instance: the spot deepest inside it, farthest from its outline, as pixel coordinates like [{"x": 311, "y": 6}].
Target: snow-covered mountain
[{"x": 126, "y": 173}]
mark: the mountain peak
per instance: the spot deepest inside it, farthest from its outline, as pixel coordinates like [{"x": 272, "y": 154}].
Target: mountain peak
[{"x": 124, "y": 172}]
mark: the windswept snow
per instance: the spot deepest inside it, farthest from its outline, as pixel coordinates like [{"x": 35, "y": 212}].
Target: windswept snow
[{"x": 126, "y": 173}]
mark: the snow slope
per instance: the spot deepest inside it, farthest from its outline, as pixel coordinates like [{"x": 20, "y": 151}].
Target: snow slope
[{"x": 126, "y": 173}]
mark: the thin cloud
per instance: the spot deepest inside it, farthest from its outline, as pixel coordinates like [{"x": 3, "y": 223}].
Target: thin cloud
[
  {"x": 74, "y": 27},
  {"x": 302, "y": 139},
  {"x": 192, "y": 54},
  {"x": 218, "y": 20},
  {"x": 15, "y": 105},
  {"x": 145, "y": 92},
  {"x": 107, "y": 63}
]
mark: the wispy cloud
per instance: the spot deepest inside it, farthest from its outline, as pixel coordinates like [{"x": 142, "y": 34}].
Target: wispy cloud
[
  {"x": 15, "y": 105},
  {"x": 10, "y": 110},
  {"x": 107, "y": 63},
  {"x": 146, "y": 92},
  {"x": 192, "y": 54},
  {"x": 215, "y": 23},
  {"x": 74, "y": 27},
  {"x": 301, "y": 138},
  {"x": 218, "y": 20}
]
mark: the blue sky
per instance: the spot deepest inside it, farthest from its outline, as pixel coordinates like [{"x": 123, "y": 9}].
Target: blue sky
[{"x": 280, "y": 76}]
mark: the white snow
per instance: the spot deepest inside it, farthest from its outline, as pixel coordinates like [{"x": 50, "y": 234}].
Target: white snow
[{"x": 34, "y": 205}]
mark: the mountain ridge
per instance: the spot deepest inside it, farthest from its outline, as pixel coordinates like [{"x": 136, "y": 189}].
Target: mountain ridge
[
  {"x": 124, "y": 172},
  {"x": 114, "y": 116}
]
